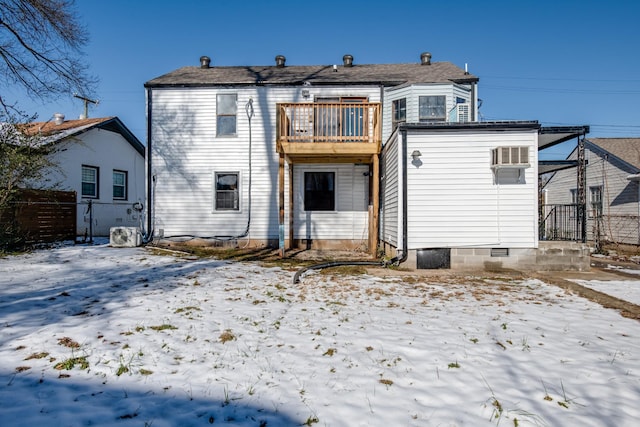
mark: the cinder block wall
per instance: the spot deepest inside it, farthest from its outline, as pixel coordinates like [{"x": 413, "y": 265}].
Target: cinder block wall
[{"x": 549, "y": 256}]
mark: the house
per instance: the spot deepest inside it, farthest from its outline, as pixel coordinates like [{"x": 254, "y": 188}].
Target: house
[
  {"x": 103, "y": 162},
  {"x": 350, "y": 156},
  {"x": 612, "y": 176}
]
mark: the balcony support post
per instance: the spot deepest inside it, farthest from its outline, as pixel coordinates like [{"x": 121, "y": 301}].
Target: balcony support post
[
  {"x": 281, "y": 204},
  {"x": 375, "y": 205},
  {"x": 291, "y": 205}
]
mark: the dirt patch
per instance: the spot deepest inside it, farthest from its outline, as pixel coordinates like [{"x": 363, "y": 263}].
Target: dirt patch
[{"x": 301, "y": 258}]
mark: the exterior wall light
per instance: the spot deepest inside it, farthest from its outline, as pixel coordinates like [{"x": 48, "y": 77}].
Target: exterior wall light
[{"x": 416, "y": 155}]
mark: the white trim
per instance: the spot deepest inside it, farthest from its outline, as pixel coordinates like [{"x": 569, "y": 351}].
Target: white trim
[
  {"x": 213, "y": 192},
  {"x": 301, "y": 188}
]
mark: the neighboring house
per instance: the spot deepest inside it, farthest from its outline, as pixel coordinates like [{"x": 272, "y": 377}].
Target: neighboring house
[
  {"x": 612, "y": 176},
  {"x": 103, "y": 162},
  {"x": 291, "y": 155}
]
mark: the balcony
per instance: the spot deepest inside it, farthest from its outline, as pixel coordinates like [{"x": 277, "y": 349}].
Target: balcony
[{"x": 342, "y": 131}]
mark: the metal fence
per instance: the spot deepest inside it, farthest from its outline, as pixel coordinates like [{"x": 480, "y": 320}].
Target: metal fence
[{"x": 560, "y": 222}]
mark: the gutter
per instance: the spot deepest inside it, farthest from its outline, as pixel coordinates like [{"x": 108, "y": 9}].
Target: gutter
[{"x": 405, "y": 203}]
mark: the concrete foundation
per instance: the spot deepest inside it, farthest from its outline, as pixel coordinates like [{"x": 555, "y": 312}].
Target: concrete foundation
[{"x": 549, "y": 256}]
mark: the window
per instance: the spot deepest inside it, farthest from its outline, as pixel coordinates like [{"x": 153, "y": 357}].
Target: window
[
  {"x": 574, "y": 201},
  {"x": 227, "y": 106},
  {"x": 119, "y": 185},
  {"x": 319, "y": 191},
  {"x": 399, "y": 107},
  {"x": 226, "y": 197},
  {"x": 574, "y": 196},
  {"x": 595, "y": 200},
  {"x": 432, "y": 108},
  {"x": 90, "y": 182}
]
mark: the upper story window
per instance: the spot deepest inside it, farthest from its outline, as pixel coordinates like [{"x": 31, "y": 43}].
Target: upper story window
[
  {"x": 595, "y": 200},
  {"x": 226, "y": 110},
  {"x": 399, "y": 111},
  {"x": 319, "y": 191},
  {"x": 227, "y": 191},
  {"x": 432, "y": 108},
  {"x": 119, "y": 185},
  {"x": 90, "y": 181}
]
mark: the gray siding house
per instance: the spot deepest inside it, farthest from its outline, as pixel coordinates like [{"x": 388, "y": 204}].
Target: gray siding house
[{"x": 612, "y": 176}]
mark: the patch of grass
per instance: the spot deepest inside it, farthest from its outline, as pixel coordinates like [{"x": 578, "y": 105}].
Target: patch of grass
[
  {"x": 187, "y": 309},
  {"x": 40, "y": 355},
  {"x": 68, "y": 342},
  {"x": 311, "y": 420},
  {"x": 145, "y": 372},
  {"x": 71, "y": 363},
  {"x": 453, "y": 365},
  {"x": 385, "y": 381},
  {"x": 330, "y": 352},
  {"x": 345, "y": 270},
  {"x": 227, "y": 335},
  {"x": 162, "y": 327},
  {"x": 22, "y": 368},
  {"x": 122, "y": 369}
]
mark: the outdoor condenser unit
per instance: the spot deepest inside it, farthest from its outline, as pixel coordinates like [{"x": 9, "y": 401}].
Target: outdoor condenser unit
[{"x": 125, "y": 237}]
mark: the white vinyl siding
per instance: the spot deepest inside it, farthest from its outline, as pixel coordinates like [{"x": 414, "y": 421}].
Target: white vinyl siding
[
  {"x": 350, "y": 218},
  {"x": 390, "y": 185},
  {"x": 186, "y": 151},
  {"x": 453, "y": 200},
  {"x": 412, "y": 93}
]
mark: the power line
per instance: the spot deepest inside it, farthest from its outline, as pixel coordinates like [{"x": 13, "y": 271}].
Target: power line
[{"x": 562, "y": 90}]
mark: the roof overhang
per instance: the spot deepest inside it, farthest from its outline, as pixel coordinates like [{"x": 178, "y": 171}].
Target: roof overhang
[
  {"x": 547, "y": 166},
  {"x": 554, "y": 135}
]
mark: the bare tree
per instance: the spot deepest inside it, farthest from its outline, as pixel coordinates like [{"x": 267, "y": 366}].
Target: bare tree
[{"x": 41, "y": 49}]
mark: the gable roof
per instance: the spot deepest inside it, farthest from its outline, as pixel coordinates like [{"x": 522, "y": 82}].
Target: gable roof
[
  {"x": 625, "y": 149},
  {"x": 69, "y": 128},
  {"x": 365, "y": 74}
]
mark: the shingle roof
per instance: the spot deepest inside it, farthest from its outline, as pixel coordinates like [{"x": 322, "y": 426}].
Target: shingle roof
[
  {"x": 62, "y": 130},
  {"x": 54, "y": 132},
  {"x": 378, "y": 74},
  {"x": 626, "y": 149}
]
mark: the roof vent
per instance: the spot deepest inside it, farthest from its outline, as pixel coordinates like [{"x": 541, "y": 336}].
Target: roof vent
[
  {"x": 58, "y": 118},
  {"x": 347, "y": 60},
  {"x": 205, "y": 61},
  {"x": 425, "y": 58},
  {"x": 280, "y": 60}
]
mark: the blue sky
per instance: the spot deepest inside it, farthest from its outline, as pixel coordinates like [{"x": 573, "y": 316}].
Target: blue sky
[{"x": 558, "y": 62}]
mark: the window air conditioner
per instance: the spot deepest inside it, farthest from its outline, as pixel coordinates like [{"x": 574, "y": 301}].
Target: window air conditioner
[
  {"x": 463, "y": 112},
  {"x": 510, "y": 156},
  {"x": 125, "y": 237}
]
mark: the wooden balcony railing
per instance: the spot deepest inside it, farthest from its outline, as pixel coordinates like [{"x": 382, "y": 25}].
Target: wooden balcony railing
[{"x": 344, "y": 122}]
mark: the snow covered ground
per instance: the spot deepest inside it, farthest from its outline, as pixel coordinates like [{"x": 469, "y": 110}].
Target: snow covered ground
[{"x": 99, "y": 336}]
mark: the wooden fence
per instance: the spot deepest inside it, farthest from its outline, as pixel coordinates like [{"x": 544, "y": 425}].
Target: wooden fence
[{"x": 39, "y": 216}]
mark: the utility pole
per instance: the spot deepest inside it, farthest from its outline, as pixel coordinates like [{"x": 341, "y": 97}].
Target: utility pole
[{"x": 86, "y": 103}]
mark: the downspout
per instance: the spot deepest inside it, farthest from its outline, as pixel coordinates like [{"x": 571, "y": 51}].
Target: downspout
[
  {"x": 405, "y": 245},
  {"x": 150, "y": 178}
]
